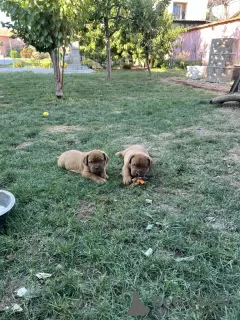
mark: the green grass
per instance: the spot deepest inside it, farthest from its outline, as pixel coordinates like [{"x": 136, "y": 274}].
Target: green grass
[{"x": 90, "y": 237}]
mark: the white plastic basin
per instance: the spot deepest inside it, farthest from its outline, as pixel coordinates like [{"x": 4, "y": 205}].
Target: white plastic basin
[{"x": 7, "y": 201}]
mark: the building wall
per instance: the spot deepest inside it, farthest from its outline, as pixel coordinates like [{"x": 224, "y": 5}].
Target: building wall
[
  {"x": 197, "y": 41},
  {"x": 196, "y": 9},
  {"x": 233, "y": 8},
  {"x": 9, "y": 43}
]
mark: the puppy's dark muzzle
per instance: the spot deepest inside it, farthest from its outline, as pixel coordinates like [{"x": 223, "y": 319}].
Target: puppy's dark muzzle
[{"x": 97, "y": 169}]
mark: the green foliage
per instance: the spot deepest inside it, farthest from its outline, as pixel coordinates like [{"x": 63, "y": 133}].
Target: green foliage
[
  {"x": 14, "y": 54},
  {"x": 127, "y": 66},
  {"x": 18, "y": 64},
  {"x": 184, "y": 64},
  {"x": 162, "y": 44},
  {"x": 145, "y": 16},
  {"x": 40, "y": 55},
  {"x": 45, "y": 24},
  {"x": 92, "y": 43},
  {"x": 108, "y": 14},
  {"x": 26, "y": 52},
  {"x": 88, "y": 62},
  {"x": 128, "y": 42},
  {"x": 46, "y": 64}
]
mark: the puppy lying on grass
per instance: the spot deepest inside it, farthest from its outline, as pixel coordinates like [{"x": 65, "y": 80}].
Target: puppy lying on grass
[
  {"x": 91, "y": 165},
  {"x": 137, "y": 163}
]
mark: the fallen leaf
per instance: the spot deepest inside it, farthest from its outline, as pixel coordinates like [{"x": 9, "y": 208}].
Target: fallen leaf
[
  {"x": 149, "y": 201},
  {"x": 21, "y": 292},
  {"x": 15, "y": 308},
  {"x": 148, "y": 252},
  {"x": 149, "y": 227},
  {"x": 185, "y": 259},
  {"x": 43, "y": 275}
]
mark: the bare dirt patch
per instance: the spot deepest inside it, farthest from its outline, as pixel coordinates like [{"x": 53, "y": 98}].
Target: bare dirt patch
[
  {"x": 85, "y": 211},
  {"x": 9, "y": 298},
  {"x": 235, "y": 154},
  {"x": 221, "y": 88},
  {"x": 232, "y": 115},
  {"x": 24, "y": 145},
  {"x": 116, "y": 111},
  {"x": 201, "y": 131},
  {"x": 63, "y": 128}
]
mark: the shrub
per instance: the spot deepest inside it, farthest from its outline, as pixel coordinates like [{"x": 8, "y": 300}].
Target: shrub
[
  {"x": 65, "y": 64},
  {"x": 40, "y": 55},
  {"x": 18, "y": 64},
  {"x": 26, "y": 52},
  {"x": 127, "y": 66},
  {"x": 88, "y": 63},
  {"x": 14, "y": 54},
  {"x": 46, "y": 64},
  {"x": 183, "y": 65}
]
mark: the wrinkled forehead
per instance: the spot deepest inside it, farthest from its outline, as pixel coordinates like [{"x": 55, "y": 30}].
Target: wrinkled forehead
[
  {"x": 140, "y": 161},
  {"x": 96, "y": 157}
]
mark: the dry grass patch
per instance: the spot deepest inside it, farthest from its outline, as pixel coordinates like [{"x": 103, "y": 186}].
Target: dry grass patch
[
  {"x": 85, "y": 211},
  {"x": 63, "y": 128},
  {"x": 234, "y": 154},
  {"x": 24, "y": 145}
]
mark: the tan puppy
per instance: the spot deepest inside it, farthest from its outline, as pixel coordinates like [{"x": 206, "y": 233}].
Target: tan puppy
[
  {"x": 137, "y": 162},
  {"x": 91, "y": 165}
]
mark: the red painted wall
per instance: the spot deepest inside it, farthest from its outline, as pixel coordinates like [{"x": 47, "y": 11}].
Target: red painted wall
[
  {"x": 197, "y": 41},
  {"x": 9, "y": 43}
]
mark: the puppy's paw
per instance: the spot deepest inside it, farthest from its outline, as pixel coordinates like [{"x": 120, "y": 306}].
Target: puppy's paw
[
  {"x": 101, "y": 180},
  {"x": 104, "y": 176},
  {"x": 127, "y": 180}
]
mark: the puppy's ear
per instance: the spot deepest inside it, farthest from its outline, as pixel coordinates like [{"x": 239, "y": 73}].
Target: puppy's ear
[
  {"x": 150, "y": 161},
  {"x": 130, "y": 160},
  {"x": 85, "y": 160},
  {"x": 106, "y": 157}
]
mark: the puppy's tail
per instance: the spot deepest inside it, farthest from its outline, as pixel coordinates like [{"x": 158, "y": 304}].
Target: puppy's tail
[{"x": 118, "y": 154}]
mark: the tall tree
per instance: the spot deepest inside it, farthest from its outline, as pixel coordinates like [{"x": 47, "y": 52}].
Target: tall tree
[
  {"x": 108, "y": 13},
  {"x": 214, "y": 3},
  {"x": 48, "y": 25},
  {"x": 145, "y": 16},
  {"x": 163, "y": 44}
]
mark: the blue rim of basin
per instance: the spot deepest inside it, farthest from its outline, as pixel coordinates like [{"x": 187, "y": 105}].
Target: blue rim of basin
[{"x": 4, "y": 210}]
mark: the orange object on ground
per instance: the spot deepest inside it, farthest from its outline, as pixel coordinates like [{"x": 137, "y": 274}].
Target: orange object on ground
[{"x": 140, "y": 181}]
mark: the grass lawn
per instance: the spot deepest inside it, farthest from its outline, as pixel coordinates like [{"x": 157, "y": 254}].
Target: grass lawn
[{"x": 91, "y": 237}]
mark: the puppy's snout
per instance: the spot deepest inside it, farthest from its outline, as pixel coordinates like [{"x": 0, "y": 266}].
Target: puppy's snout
[
  {"x": 140, "y": 174},
  {"x": 97, "y": 167}
]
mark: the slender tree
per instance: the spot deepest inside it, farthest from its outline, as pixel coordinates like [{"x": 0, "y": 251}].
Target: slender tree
[
  {"x": 108, "y": 13},
  {"x": 48, "y": 26},
  {"x": 145, "y": 18}
]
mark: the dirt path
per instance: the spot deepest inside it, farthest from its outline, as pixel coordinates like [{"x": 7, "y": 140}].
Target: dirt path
[{"x": 222, "y": 88}]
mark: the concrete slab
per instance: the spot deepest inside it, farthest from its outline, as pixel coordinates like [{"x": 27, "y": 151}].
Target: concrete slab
[{"x": 42, "y": 70}]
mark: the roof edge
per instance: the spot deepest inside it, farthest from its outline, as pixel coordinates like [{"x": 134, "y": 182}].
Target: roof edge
[{"x": 212, "y": 24}]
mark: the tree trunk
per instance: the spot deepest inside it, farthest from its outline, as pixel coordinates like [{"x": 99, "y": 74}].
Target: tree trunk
[
  {"x": 147, "y": 61},
  {"x": 151, "y": 63},
  {"x": 108, "y": 51},
  {"x": 225, "y": 11},
  {"x": 108, "y": 48},
  {"x": 226, "y": 98},
  {"x": 58, "y": 73}
]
